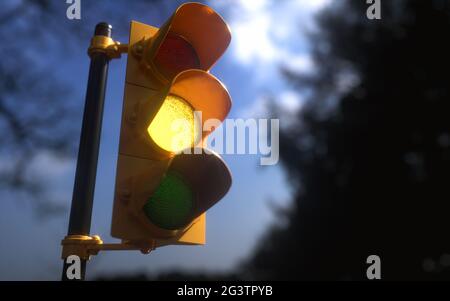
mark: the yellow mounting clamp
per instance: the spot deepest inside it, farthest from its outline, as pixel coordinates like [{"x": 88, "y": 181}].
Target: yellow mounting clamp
[
  {"x": 85, "y": 246},
  {"x": 113, "y": 49},
  {"x": 81, "y": 245}
]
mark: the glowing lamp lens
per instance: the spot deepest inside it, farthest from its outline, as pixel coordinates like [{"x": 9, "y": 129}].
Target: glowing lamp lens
[
  {"x": 174, "y": 128},
  {"x": 171, "y": 204},
  {"x": 174, "y": 56}
]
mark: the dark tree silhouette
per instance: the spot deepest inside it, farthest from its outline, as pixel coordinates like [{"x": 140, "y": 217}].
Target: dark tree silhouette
[
  {"x": 38, "y": 114},
  {"x": 370, "y": 154}
]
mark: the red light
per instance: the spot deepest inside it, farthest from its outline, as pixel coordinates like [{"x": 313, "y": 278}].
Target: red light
[{"x": 175, "y": 55}]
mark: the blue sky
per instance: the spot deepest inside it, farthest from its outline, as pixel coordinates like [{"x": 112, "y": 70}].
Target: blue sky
[{"x": 265, "y": 34}]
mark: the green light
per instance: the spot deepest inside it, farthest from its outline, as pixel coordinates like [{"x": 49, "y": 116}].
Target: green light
[{"x": 171, "y": 204}]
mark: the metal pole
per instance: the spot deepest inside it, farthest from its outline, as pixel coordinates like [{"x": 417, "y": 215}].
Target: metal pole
[{"x": 83, "y": 191}]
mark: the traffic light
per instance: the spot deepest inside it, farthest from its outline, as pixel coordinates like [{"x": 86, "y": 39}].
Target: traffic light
[{"x": 165, "y": 179}]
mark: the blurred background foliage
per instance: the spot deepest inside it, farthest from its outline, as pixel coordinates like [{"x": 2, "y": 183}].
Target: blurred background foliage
[
  {"x": 34, "y": 120},
  {"x": 369, "y": 156}
]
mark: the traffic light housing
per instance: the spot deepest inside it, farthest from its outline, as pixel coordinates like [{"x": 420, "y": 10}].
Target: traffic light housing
[{"x": 165, "y": 179}]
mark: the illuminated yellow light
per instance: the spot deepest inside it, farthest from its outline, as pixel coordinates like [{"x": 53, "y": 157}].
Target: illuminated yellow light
[{"x": 173, "y": 128}]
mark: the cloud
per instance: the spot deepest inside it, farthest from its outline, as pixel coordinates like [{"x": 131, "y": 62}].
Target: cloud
[
  {"x": 289, "y": 102},
  {"x": 253, "y": 5},
  {"x": 251, "y": 29},
  {"x": 252, "y": 42},
  {"x": 45, "y": 164},
  {"x": 300, "y": 63},
  {"x": 267, "y": 32},
  {"x": 257, "y": 109},
  {"x": 313, "y": 4}
]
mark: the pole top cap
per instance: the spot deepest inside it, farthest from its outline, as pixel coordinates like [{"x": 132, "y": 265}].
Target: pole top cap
[{"x": 103, "y": 29}]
